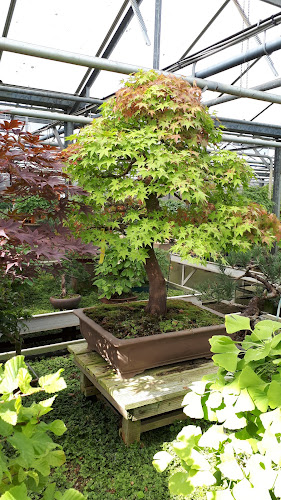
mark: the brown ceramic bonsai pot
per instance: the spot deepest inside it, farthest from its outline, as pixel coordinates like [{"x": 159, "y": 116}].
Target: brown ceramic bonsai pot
[
  {"x": 132, "y": 356},
  {"x": 66, "y": 303}
]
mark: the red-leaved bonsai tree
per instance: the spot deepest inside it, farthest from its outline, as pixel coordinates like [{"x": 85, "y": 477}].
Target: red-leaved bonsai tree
[
  {"x": 31, "y": 170},
  {"x": 156, "y": 139}
]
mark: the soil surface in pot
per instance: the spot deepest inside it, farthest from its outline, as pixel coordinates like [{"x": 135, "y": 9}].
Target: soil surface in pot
[{"x": 126, "y": 321}]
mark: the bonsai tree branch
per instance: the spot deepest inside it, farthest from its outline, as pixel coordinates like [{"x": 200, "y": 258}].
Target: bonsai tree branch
[
  {"x": 109, "y": 175},
  {"x": 253, "y": 309}
]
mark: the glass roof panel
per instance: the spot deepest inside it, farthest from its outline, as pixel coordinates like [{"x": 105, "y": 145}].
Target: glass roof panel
[{"x": 65, "y": 25}]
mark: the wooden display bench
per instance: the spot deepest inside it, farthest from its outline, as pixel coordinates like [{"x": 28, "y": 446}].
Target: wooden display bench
[{"x": 146, "y": 401}]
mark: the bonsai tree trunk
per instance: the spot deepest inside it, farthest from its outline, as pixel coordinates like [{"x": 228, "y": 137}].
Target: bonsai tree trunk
[
  {"x": 63, "y": 286},
  {"x": 18, "y": 342},
  {"x": 157, "y": 302}
]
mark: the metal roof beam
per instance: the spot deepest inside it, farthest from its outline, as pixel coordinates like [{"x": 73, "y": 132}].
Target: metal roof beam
[
  {"x": 239, "y": 37},
  {"x": 247, "y": 22},
  {"x": 246, "y": 127},
  {"x": 251, "y": 54},
  {"x": 84, "y": 121},
  {"x": 40, "y": 97},
  {"x": 251, "y": 140},
  {"x": 83, "y": 82},
  {"x": 277, "y": 3}
]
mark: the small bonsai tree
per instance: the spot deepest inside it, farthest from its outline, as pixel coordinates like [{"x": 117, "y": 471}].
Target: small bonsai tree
[
  {"x": 151, "y": 141},
  {"x": 257, "y": 263}
]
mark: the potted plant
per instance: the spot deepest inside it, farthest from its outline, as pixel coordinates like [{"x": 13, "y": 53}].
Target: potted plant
[
  {"x": 73, "y": 276},
  {"x": 151, "y": 141}
]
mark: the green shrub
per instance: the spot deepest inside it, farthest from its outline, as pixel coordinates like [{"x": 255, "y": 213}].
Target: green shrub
[
  {"x": 33, "y": 205},
  {"x": 12, "y": 309},
  {"x": 258, "y": 195},
  {"x": 116, "y": 276},
  {"x": 241, "y": 453},
  {"x": 222, "y": 287}
]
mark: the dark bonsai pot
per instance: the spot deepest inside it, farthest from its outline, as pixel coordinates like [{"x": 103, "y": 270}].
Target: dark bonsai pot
[
  {"x": 65, "y": 303},
  {"x": 118, "y": 300},
  {"x": 132, "y": 356}
]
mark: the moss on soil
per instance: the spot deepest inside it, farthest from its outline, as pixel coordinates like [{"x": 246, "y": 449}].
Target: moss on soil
[{"x": 129, "y": 320}]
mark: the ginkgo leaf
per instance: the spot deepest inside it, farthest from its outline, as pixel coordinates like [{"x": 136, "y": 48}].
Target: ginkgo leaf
[
  {"x": 161, "y": 460},
  {"x": 213, "y": 437}
]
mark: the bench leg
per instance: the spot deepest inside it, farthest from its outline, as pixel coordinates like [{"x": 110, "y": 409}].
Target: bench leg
[
  {"x": 130, "y": 431},
  {"x": 87, "y": 387}
]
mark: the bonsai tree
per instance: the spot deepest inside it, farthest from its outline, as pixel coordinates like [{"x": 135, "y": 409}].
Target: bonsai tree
[
  {"x": 31, "y": 170},
  {"x": 156, "y": 139},
  {"x": 72, "y": 276}
]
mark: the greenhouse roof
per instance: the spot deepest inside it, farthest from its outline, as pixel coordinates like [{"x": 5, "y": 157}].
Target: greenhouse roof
[{"x": 231, "y": 43}]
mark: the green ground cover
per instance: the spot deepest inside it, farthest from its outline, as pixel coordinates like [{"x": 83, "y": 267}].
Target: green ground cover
[{"x": 97, "y": 462}]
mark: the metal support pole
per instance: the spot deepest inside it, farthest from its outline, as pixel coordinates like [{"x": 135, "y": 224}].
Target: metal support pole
[
  {"x": 105, "y": 64},
  {"x": 141, "y": 22},
  {"x": 57, "y": 136},
  {"x": 8, "y": 21},
  {"x": 272, "y": 84},
  {"x": 157, "y": 34},
  {"x": 270, "y": 181},
  {"x": 248, "y": 24},
  {"x": 251, "y": 54},
  {"x": 68, "y": 130},
  {"x": 276, "y": 188},
  {"x": 277, "y": 183}
]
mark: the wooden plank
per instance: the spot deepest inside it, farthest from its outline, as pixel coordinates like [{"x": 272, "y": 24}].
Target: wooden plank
[
  {"x": 148, "y": 388},
  {"x": 130, "y": 431},
  {"x": 78, "y": 348},
  {"x": 32, "y": 351},
  {"x": 158, "y": 408},
  {"x": 160, "y": 421},
  {"x": 156, "y": 385},
  {"x": 49, "y": 321},
  {"x": 90, "y": 376}
]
